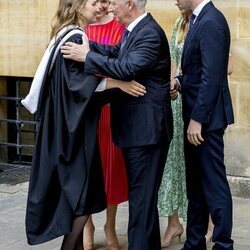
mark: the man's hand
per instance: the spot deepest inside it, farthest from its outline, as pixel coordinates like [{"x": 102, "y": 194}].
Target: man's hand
[
  {"x": 174, "y": 87},
  {"x": 194, "y": 133},
  {"x": 76, "y": 52}
]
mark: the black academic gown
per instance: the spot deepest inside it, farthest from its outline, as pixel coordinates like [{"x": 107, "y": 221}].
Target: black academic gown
[{"x": 66, "y": 177}]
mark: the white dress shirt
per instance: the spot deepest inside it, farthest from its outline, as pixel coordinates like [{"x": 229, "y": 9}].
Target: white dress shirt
[
  {"x": 199, "y": 8},
  {"x": 135, "y": 22}
]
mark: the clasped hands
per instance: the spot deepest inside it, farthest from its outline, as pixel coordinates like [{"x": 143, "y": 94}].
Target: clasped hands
[{"x": 174, "y": 88}]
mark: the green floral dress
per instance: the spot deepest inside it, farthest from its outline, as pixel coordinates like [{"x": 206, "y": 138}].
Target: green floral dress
[{"x": 172, "y": 194}]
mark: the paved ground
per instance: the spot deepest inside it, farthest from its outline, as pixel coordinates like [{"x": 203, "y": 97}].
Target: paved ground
[{"x": 12, "y": 231}]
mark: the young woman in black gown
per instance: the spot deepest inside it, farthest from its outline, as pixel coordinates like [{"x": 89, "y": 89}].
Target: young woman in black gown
[{"x": 66, "y": 182}]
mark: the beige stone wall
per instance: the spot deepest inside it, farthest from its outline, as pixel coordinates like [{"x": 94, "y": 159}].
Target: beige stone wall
[
  {"x": 24, "y": 32},
  {"x": 25, "y": 28}
]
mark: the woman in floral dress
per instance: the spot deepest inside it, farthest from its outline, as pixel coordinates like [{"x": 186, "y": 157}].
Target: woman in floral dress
[{"x": 172, "y": 194}]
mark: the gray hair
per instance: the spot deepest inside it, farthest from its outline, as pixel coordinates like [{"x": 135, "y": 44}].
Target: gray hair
[{"x": 141, "y": 4}]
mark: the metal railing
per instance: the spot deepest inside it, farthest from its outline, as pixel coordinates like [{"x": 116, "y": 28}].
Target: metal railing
[{"x": 17, "y": 123}]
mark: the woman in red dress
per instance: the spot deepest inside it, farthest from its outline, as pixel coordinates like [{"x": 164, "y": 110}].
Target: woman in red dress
[{"x": 108, "y": 31}]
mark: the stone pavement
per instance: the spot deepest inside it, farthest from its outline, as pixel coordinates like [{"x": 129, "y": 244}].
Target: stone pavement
[{"x": 12, "y": 231}]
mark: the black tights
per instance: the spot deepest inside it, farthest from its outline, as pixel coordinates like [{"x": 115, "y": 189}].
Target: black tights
[{"x": 73, "y": 240}]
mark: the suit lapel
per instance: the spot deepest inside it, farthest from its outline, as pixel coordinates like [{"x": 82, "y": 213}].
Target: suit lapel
[
  {"x": 133, "y": 33},
  {"x": 196, "y": 25}
]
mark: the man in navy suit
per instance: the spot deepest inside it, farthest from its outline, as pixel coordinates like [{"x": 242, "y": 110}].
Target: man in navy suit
[
  {"x": 207, "y": 110},
  {"x": 142, "y": 126}
]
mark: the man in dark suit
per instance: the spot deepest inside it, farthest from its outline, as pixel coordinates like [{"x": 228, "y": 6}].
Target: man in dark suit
[
  {"x": 207, "y": 110},
  {"x": 142, "y": 126}
]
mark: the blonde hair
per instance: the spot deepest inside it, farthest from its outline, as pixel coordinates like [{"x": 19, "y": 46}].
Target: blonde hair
[
  {"x": 183, "y": 28},
  {"x": 66, "y": 14}
]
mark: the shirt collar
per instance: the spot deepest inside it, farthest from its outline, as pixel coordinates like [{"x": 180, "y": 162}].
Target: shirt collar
[
  {"x": 199, "y": 8},
  {"x": 135, "y": 22}
]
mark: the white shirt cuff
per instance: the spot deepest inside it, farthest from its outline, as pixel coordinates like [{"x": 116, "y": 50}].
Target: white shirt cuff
[
  {"x": 101, "y": 86},
  {"x": 179, "y": 89}
]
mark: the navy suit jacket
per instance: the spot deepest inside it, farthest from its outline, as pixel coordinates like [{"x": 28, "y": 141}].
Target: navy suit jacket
[
  {"x": 205, "y": 91},
  {"x": 138, "y": 121}
]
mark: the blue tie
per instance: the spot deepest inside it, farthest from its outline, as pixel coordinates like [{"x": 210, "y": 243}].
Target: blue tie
[
  {"x": 191, "y": 22},
  {"x": 124, "y": 38}
]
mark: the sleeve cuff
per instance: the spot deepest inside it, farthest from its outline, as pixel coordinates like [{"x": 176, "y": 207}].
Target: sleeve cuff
[{"x": 101, "y": 86}]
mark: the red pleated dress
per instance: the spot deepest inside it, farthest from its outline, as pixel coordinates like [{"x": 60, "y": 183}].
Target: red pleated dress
[{"x": 114, "y": 172}]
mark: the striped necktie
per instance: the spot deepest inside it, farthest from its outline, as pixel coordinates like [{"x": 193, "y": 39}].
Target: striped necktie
[
  {"x": 191, "y": 22},
  {"x": 124, "y": 38}
]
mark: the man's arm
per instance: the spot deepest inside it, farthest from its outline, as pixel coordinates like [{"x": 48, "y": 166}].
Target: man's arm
[
  {"x": 78, "y": 52},
  {"x": 214, "y": 57},
  {"x": 140, "y": 58},
  {"x": 213, "y": 44},
  {"x": 104, "y": 49}
]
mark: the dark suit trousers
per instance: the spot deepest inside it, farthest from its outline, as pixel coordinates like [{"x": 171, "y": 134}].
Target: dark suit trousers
[
  {"x": 145, "y": 165},
  {"x": 208, "y": 192}
]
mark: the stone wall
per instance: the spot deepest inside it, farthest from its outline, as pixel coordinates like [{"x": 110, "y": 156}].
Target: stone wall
[{"x": 24, "y": 34}]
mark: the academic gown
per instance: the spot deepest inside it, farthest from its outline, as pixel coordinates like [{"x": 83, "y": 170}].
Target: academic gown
[{"x": 66, "y": 177}]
